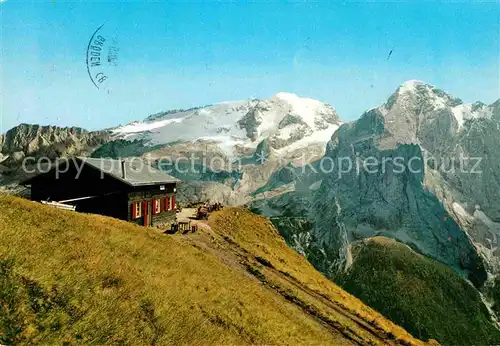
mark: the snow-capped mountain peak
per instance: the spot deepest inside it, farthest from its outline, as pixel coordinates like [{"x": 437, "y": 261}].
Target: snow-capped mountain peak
[
  {"x": 417, "y": 98},
  {"x": 430, "y": 100},
  {"x": 311, "y": 111},
  {"x": 410, "y": 86},
  {"x": 283, "y": 119},
  {"x": 415, "y": 93},
  {"x": 416, "y": 106}
]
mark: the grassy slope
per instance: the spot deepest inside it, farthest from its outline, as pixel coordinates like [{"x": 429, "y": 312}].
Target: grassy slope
[
  {"x": 493, "y": 293},
  {"x": 87, "y": 279},
  {"x": 426, "y": 297}
]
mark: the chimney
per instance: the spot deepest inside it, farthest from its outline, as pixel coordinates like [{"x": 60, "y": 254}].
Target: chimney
[{"x": 124, "y": 174}]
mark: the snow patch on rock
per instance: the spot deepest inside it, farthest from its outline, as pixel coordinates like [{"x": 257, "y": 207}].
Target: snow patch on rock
[
  {"x": 139, "y": 126},
  {"x": 410, "y": 86},
  {"x": 457, "y": 208}
]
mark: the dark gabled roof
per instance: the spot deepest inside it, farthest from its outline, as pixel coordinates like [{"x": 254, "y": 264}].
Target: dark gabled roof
[{"x": 137, "y": 171}]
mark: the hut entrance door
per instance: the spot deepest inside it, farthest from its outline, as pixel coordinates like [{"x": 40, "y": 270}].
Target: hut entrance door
[{"x": 147, "y": 213}]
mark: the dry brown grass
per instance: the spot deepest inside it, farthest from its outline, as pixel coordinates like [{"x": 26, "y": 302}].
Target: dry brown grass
[
  {"x": 88, "y": 279},
  {"x": 258, "y": 237}
]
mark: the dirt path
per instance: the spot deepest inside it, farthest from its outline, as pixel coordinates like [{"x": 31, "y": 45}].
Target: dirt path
[
  {"x": 187, "y": 214},
  {"x": 330, "y": 314}
]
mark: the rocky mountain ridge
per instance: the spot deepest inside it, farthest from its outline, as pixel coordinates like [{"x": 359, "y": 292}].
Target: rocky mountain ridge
[
  {"x": 443, "y": 210},
  {"x": 283, "y": 119},
  {"x": 51, "y": 141}
]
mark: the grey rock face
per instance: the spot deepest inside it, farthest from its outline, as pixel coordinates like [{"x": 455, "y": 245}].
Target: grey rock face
[
  {"x": 478, "y": 178},
  {"x": 263, "y": 152},
  {"x": 251, "y": 121},
  {"x": 326, "y": 117},
  {"x": 388, "y": 200},
  {"x": 191, "y": 192},
  {"x": 416, "y": 189},
  {"x": 37, "y": 141},
  {"x": 51, "y": 141},
  {"x": 290, "y": 119}
]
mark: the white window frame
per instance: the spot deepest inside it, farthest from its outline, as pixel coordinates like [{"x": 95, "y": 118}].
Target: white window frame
[
  {"x": 138, "y": 210},
  {"x": 157, "y": 206}
]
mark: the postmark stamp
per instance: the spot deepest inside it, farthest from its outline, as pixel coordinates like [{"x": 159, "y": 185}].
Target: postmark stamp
[{"x": 102, "y": 57}]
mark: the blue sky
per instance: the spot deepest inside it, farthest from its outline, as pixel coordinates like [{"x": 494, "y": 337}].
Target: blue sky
[{"x": 184, "y": 54}]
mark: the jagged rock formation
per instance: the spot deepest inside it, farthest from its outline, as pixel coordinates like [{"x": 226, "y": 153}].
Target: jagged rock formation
[
  {"x": 34, "y": 142},
  {"x": 192, "y": 192},
  {"x": 50, "y": 141},
  {"x": 408, "y": 190}
]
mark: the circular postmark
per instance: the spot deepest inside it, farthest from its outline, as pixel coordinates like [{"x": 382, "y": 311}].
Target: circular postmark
[{"x": 102, "y": 57}]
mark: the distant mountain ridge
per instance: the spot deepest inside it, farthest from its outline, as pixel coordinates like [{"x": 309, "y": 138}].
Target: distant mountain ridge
[
  {"x": 283, "y": 119},
  {"x": 51, "y": 141}
]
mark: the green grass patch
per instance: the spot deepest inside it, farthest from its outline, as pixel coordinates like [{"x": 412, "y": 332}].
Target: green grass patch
[{"x": 427, "y": 298}]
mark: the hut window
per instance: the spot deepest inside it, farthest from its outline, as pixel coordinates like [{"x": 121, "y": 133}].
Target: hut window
[
  {"x": 157, "y": 206},
  {"x": 167, "y": 203},
  {"x": 136, "y": 210}
]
